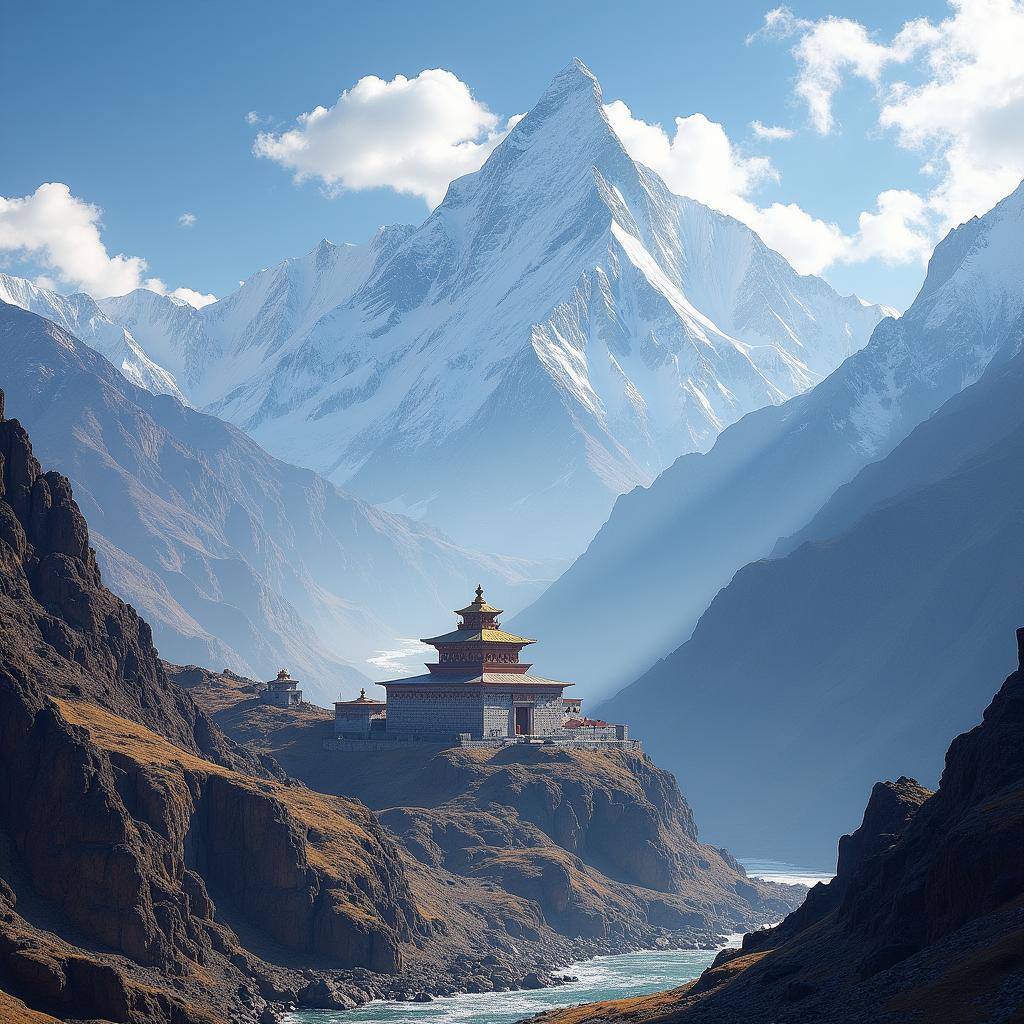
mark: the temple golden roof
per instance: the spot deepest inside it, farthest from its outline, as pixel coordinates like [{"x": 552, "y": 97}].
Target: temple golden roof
[
  {"x": 478, "y": 605},
  {"x": 468, "y": 636},
  {"x": 361, "y": 699},
  {"x": 472, "y": 678}
]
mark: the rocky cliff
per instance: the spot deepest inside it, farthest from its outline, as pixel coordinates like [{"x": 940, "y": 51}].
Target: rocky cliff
[
  {"x": 923, "y": 922},
  {"x": 137, "y": 842},
  {"x": 533, "y": 847}
]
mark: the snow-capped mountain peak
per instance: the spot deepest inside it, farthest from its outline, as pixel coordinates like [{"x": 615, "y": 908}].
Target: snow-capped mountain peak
[
  {"x": 561, "y": 321},
  {"x": 80, "y": 315}
]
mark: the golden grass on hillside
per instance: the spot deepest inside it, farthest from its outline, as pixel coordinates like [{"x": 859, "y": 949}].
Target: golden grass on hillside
[
  {"x": 531, "y": 861},
  {"x": 340, "y": 843},
  {"x": 659, "y": 1007},
  {"x": 14, "y": 1011}
]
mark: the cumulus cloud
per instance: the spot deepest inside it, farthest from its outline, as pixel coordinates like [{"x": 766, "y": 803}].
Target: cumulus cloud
[
  {"x": 828, "y": 48},
  {"x": 187, "y": 220},
  {"x": 60, "y": 235},
  {"x": 962, "y": 108},
  {"x": 413, "y": 135},
  {"x": 770, "y": 133},
  {"x": 700, "y": 161},
  {"x": 899, "y": 231},
  {"x": 192, "y": 297}
]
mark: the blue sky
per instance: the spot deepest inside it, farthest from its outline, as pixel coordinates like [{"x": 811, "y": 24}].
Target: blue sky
[{"x": 140, "y": 110}]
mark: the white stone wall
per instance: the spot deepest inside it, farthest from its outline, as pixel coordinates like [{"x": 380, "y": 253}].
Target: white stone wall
[
  {"x": 281, "y": 698},
  {"x": 352, "y": 722},
  {"x": 433, "y": 712},
  {"x": 500, "y": 704}
]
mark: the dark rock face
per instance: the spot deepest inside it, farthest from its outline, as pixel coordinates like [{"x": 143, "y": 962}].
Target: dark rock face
[
  {"x": 121, "y": 803},
  {"x": 923, "y": 921},
  {"x": 592, "y": 846},
  {"x": 890, "y": 809}
]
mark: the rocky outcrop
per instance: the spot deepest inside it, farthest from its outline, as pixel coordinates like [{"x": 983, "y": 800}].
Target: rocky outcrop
[
  {"x": 922, "y": 923},
  {"x": 532, "y": 845},
  {"x": 137, "y": 842}
]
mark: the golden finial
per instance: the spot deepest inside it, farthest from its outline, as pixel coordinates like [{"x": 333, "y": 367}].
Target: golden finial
[
  {"x": 362, "y": 693},
  {"x": 479, "y": 594},
  {"x": 283, "y": 674}
]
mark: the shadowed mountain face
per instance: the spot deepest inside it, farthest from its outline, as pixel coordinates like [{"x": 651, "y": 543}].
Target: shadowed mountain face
[
  {"x": 557, "y": 331},
  {"x": 864, "y": 649},
  {"x": 922, "y": 922},
  {"x": 238, "y": 560},
  {"x": 123, "y": 807},
  {"x": 654, "y": 568}
]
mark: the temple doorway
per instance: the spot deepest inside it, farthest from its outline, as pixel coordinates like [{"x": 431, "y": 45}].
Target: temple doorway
[{"x": 524, "y": 721}]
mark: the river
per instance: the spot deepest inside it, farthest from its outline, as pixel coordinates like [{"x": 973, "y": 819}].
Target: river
[{"x": 604, "y": 977}]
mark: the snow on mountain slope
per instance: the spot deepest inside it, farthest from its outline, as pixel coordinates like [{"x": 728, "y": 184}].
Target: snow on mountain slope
[
  {"x": 667, "y": 550},
  {"x": 211, "y": 350},
  {"x": 865, "y": 646},
  {"x": 233, "y": 557},
  {"x": 557, "y": 331},
  {"x": 80, "y": 315}
]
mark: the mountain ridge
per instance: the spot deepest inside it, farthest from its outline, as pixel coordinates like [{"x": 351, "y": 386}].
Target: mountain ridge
[
  {"x": 861, "y": 636},
  {"x": 237, "y": 558},
  {"x": 767, "y": 476},
  {"x": 555, "y": 283},
  {"x": 921, "y": 922}
]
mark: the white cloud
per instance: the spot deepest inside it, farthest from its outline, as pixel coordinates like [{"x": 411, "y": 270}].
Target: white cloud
[
  {"x": 700, "y": 161},
  {"x": 969, "y": 111},
  {"x": 697, "y": 161},
  {"x": 193, "y": 298},
  {"x": 60, "y": 235},
  {"x": 413, "y": 135},
  {"x": 770, "y": 133},
  {"x": 963, "y": 108},
  {"x": 810, "y": 244},
  {"x": 899, "y": 232},
  {"x": 187, "y": 220},
  {"x": 828, "y": 48}
]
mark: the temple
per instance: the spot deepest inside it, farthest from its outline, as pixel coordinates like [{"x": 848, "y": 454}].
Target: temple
[
  {"x": 477, "y": 692},
  {"x": 283, "y": 691}
]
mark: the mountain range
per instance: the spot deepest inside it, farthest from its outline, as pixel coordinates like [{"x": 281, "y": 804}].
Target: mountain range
[
  {"x": 667, "y": 550},
  {"x": 236, "y": 559},
  {"x": 80, "y": 315},
  {"x": 851, "y": 642},
  {"x": 557, "y": 331}
]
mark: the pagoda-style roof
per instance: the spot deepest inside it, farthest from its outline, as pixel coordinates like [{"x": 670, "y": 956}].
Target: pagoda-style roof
[
  {"x": 360, "y": 701},
  {"x": 514, "y": 679},
  {"x": 468, "y": 636},
  {"x": 479, "y": 605}
]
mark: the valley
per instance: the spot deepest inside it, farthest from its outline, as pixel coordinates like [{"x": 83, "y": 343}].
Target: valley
[{"x": 737, "y": 751}]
